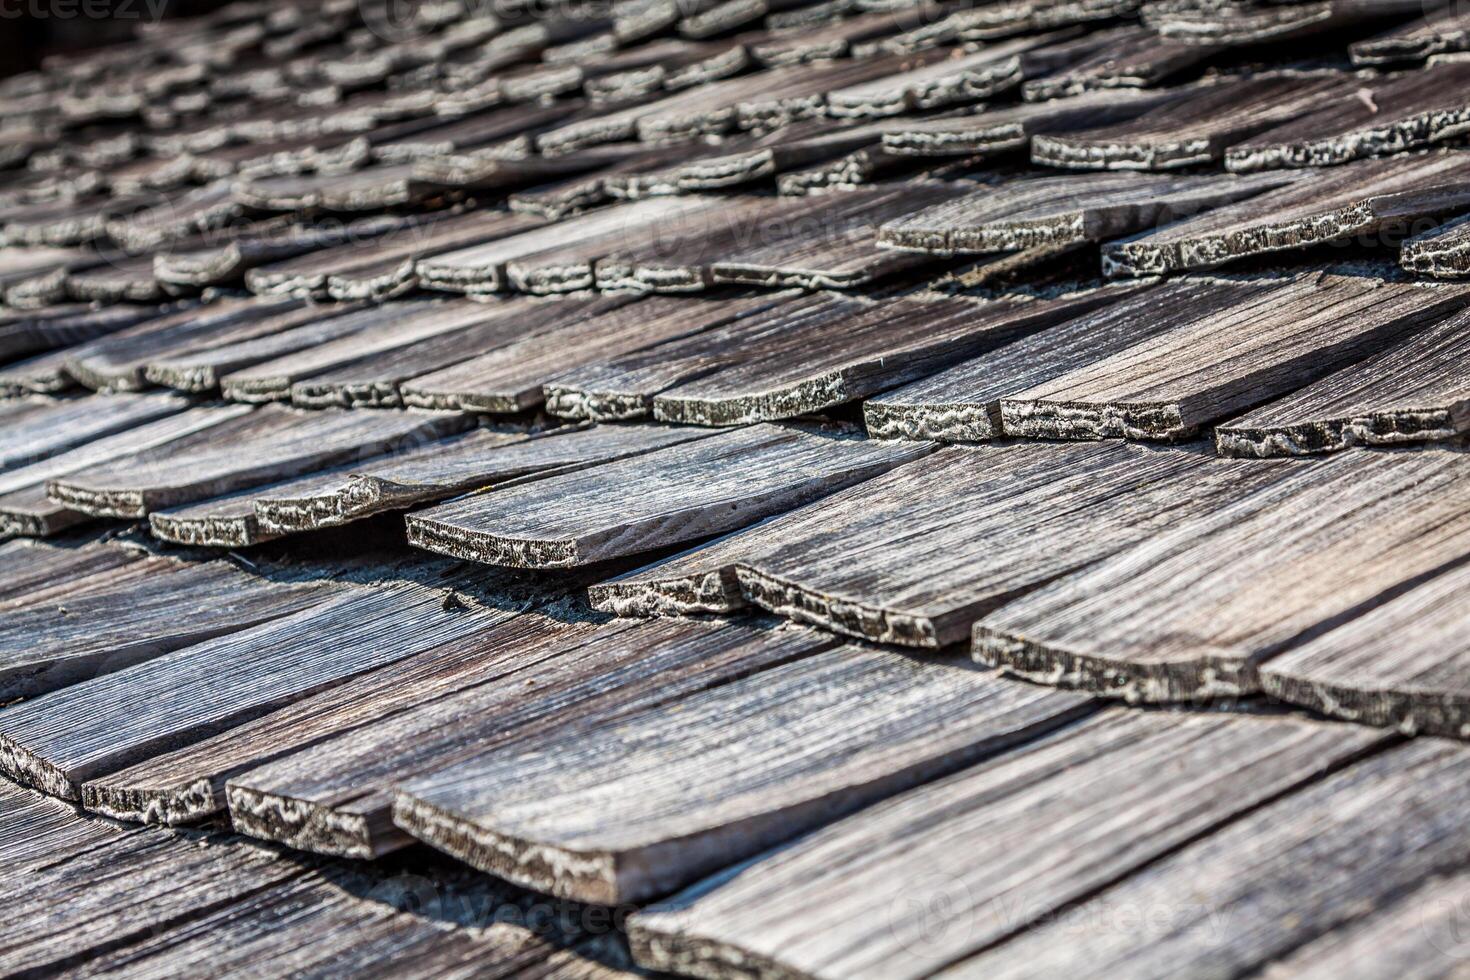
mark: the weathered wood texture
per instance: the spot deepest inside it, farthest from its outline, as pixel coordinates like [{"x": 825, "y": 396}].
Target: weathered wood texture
[
  {"x": 116, "y": 362},
  {"x": 336, "y": 797},
  {"x": 841, "y": 358},
  {"x": 37, "y": 831},
  {"x": 188, "y": 784},
  {"x": 198, "y": 368},
  {"x": 1411, "y": 392},
  {"x": 511, "y": 378},
  {"x": 1442, "y": 31},
  {"x": 962, "y": 403},
  {"x": 1252, "y": 583},
  {"x": 704, "y": 487},
  {"x": 134, "y": 617},
  {"x": 799, "y": 357},
  {"x": 375, "y": 330},
  {"x": 555, "y": 258},
  {"x": 477, "y": 460},
  {"x": 915, "y": 556},
  {"x": 1417, "y": 934},
  {"x": 228, "y": 263},
  {"x": 1134, "y": 58},
  {"x": 1056, "y": 210},
  {"x": 336, "y": 919},
  {"x": 1367, "y": 833},
  {"x": 1401, "y": 665},
  {"x": 1222, "y": 360},
  {"x": 1006, "y": 129},
  {"x": 33, "y": 571},
  {"x": 89, "y": 729},
  {"x": 49, "y": 428},
  {"x": 123, "y": 890},
  {"x": 1194, "y": 130},
  {"x": 1372, "y": 118},
  {"x": 753, "y": 763},
  {"x": 36, "y": 331},
  {"x": 911, "y": 885},
  {"x": 806, "y": 242},
  {"x": 1441, "y": 252},
  {"x": 391, "y": 269},
  {"x": 1197, "y": 22},
  {"x": 1362, "y": 199},
  {"x": 264, "y": 446},
  {"x": 25, "y": 508},
  {"x": 374, "y": 380}
]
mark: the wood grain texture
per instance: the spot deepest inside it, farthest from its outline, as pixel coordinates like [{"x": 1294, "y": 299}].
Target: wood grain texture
[
  {"x": 696, "y": 489},
  {"x": 1240, "y": 25},
  {"x": 228, "y": 263},
  {"x": 336, "y": 797},
  {"x": 1221, "y": 360},
  {"x": 420, "y": 473},
  {"x": 263, "y": 446},
  {"x": 1371, "y": 525},
  {"x": 273, "y": 370},
  {"x": 54, "y": 427},
  {"x": 197, "y": 368},
  {"x": 547, "y": 262},
  {"x": 1411, "y": 392},
  {"x": 38, "y": 831},
  {"x": 838, "y": 356},
  {"x": 1442, "y": 31},
  {"x": 1356, "y": 199},
  {"x": 1369, "y": 833},
  {"x": 1400, "y": 665},
  {"x": 945, "y": 870},
  {"x": 954, "y": 78},
  {"x": 854, "y": 564},
  {"x": 1374, "y": 118},
  {"x": 699, "y": 581},
  {"x": 1440, "y": 253},
  {"x": 126, "y": 889},
  {"x": 26, "y": 509},
  {"x": 32, "y": 571},
  {"x": 1134, "y": 57},
  {"x": 1007, "y": 129},
  {"x": 962, "y": 403},
  {"x": 1038, "y": 211},
  {"x": 106, "y": 627},
  {"x": 361, "y": 919},
  {"x": 623, "y": 387},
  {"x": 391, "y": 269},
  {"x": 119, "y": 362},
  {"x": 753, "y": 763},
  {"x": 375, "y": 379},
  {"x": 89, "y": 729},
  {"x": 1413, "y": 935},
  {"x": 511, "y": 378},
  {"x": 1194, "y": 130},
  {"x": 24, "y": 333},
  {"x": 187, "y": 785}
]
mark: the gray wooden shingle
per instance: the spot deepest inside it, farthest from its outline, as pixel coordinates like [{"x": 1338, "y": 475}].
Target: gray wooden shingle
[
  {"x": 1194, "y": 611},
  {"x": 700, "y": 783},
  {"x": 671, "y": 495},
  {"x": 962, "y": 863},
  {"x": 1368, "y": 833},
  {"x": 336, "y": 796},
  {"x": 1228, "y": 357},
  {"x": 1411, "y": 392},
  {"x": 1363, "y": 199}
]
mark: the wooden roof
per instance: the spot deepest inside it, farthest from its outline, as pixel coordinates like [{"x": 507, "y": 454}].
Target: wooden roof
[{"x": 739, "y": 488}]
